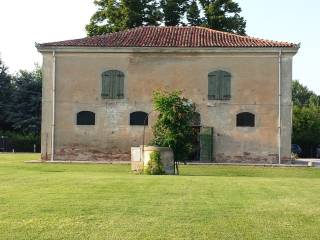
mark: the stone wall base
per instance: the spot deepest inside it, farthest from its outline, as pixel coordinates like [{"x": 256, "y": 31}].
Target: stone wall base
[
  {"x": 81, "y": 154},
  {"x": 78, "y": 153}
]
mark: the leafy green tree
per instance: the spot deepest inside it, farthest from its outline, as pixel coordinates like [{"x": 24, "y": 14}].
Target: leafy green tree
[
  {"x": 306, "y": 127},
  {"x": 173, "y": 127},
  {"x": 302, "y": 96},
  {"x": 153, "y": 15},
  {"x": 306, "y": 118},
  {"x": 193, "y": 14},
  {"x": 117, "y": 15},
  {"x": 5, "y": 93},
  {"x": 134, "y": 13},
  {"x": 173, "y": 11},
  {"x": 314, "y": 101},
  {"x": 110, "y": 17},
  {"x": 24, "y": 112},
  {"x": 223, "y": 15}
]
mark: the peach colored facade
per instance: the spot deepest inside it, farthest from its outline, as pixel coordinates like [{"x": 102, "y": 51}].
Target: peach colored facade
[{"x": 254, "y": 88}]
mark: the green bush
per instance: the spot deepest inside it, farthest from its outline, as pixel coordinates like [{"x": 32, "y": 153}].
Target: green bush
[
  {"x": 173, "y": 127},
  {"x": 154, "y": 167},
  {"x": 19, "y": 142}
]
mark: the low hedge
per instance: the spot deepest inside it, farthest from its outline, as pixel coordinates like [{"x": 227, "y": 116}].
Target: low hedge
[{"x": 18, "y": 142}]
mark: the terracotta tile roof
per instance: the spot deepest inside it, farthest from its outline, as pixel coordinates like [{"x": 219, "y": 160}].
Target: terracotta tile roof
[{"x": 151, "y": 36}]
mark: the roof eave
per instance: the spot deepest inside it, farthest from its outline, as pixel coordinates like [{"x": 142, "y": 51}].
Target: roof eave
[{"x": 44, "y": 49}]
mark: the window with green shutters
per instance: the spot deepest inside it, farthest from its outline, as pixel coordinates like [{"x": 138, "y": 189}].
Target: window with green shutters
[
  {"x": 112, "y": 84},
  {"x": 219, "y": 85}
]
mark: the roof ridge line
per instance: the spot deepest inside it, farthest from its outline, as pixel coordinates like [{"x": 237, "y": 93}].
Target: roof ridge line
[{"x": 172, "y": 36}]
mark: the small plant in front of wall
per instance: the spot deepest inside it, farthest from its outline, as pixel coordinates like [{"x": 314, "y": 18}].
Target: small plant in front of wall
[{"x": 154, "y": 166}]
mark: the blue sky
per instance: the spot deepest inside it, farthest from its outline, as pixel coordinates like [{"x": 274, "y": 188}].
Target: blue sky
[
  {"x": 289, "y": 20},
  {"x": 46, "y": 20}
]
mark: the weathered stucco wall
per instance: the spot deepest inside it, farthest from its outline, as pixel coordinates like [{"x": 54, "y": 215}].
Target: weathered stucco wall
[{"x": 254, "y": 88}]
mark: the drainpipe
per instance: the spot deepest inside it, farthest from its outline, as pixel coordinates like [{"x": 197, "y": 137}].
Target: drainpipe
[
  {"x": 53, "y": 102},
  {"x": 279, "y": 110}
]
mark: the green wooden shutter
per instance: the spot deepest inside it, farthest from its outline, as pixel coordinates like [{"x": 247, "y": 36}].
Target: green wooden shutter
[
  {"x": 219, "y": 85},
  {"x": 119, "y": 82},
  {"x": 212, "y": 86},
  {"x": 113, "y": 89},
  {"x": 226, "y": 91},
  {"x": 112, "y": 84},
  {"x": 106, "y": 85},
  {"x": 116, "y": 85}
]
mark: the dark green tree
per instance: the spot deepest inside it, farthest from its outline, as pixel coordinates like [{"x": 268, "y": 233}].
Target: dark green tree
[
  {"x": 306, "y": 128},
  {"x": 223, "y": 15},
  {"x": 302, "y": 96},
  {"x": 5, "y": 93},
  {"x": 110, "y": 17},
  {"x": 193, "y": 14},
  {"x": 133, "y": 12},
  {"x": 306, "y": 118},
  {"x": 117, "y": 15},
  {"x": 314, "y": 101},
  {"x": 153, "y": 15},
  {"x": 173, "y": 126},
  {"x": 173, "y": 11},
  {"x": 24, "y": 112}
]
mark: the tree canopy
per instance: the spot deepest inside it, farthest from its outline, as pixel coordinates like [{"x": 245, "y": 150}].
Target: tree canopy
[
  {"x": 24, "y": 112},
  {"x": 5, "y": 92},
  {"x": 223, "y": 15},
  {"x": 306, "y": 125},
  {"x": 20, "y": 100},
  {"x": 173, "y": 11},
  {"x": 193, "y": 14},
  {"x": 117, "y": 15},
  {"x": 306, "y": 118},
  {"x": 302, "y": 96}
]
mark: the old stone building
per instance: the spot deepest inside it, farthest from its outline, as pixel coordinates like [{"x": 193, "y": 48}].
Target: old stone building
[{"x": 97, "y": 92}]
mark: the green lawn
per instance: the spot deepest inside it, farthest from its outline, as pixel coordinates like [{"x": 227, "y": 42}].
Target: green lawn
[{"x": 86, "y": 201}]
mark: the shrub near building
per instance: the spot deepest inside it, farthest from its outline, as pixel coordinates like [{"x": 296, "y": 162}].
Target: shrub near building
[{"x": 154, "y": 166}]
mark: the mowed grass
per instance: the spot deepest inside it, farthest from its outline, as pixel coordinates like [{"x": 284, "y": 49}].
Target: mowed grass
[{"x": 87, "y": 201}]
